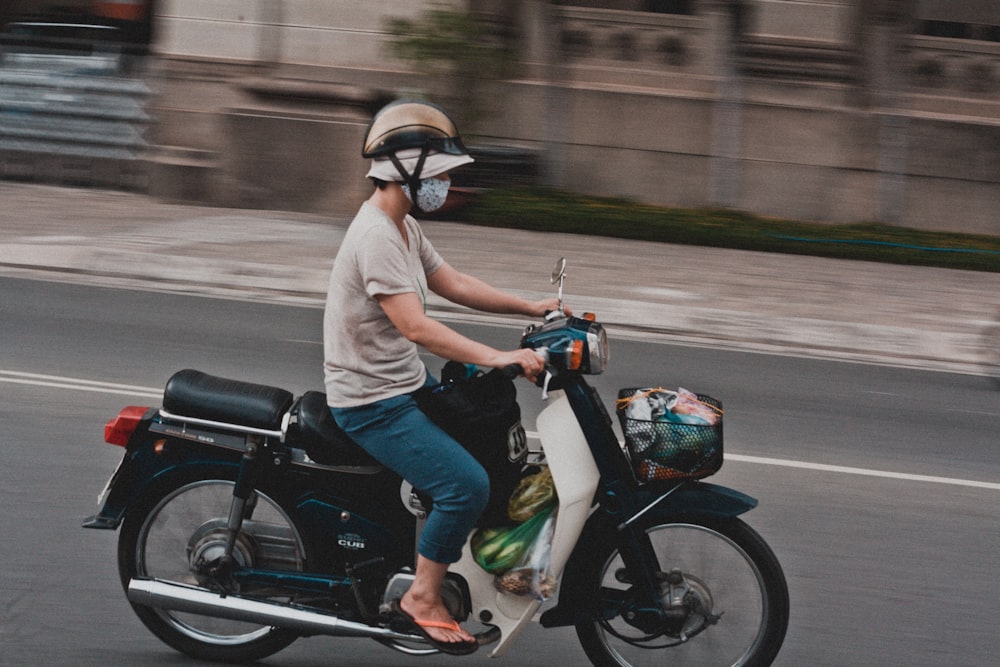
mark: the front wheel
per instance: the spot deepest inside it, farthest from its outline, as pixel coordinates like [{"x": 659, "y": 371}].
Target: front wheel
[
  {"x": 723, "y": 595},
  {"x": 174, "y": 533}
]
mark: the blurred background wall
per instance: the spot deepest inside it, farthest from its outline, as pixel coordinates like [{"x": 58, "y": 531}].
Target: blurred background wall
[{"x": 823, "y": 110}]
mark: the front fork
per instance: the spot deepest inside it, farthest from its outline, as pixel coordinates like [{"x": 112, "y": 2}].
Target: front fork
[
  {"x": 661, "y": 599},
  {"x": 621, "y": 504},
  {"x": 642, "y": 571}
]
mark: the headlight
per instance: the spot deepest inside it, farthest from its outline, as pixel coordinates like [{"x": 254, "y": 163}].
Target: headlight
[
  {"x": 573, "y": 343},
  {"x": 597, "y": 341}
]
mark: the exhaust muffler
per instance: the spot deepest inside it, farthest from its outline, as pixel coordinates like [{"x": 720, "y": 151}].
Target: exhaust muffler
[{"x": 180, "y": 597}]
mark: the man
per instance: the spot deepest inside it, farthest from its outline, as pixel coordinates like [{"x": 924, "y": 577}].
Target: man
[{"x": 375, "y": 319}]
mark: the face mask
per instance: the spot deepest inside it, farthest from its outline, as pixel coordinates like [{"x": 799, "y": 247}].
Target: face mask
[{"x": 431, "y": 193}]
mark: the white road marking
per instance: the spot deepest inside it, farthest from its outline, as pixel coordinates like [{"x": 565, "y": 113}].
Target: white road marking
[
  {"x": 846, "y": 470},
  {"x": 60, "y": 382}
]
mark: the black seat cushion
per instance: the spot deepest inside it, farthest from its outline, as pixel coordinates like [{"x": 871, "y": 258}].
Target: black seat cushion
[
  {"x": 324, "y": 441},
  {"x": 191, "y": 393}
]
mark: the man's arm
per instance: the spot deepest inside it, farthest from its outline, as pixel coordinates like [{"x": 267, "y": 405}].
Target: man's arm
[
  {"x": 471, "y": 292},
  {"x": 407, "y": 314}
]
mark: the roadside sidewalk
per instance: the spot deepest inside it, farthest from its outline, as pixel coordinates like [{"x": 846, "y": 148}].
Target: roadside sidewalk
[{"x": 914, "y": 316}]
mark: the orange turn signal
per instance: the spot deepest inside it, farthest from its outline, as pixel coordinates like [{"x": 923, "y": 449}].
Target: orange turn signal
[{"x": 575, "y": 355}]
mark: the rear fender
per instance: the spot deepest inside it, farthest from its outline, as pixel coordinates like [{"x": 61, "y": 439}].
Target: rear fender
[
  {"x": 145, "y": 465},
  {"x": 659, "y": 505}
]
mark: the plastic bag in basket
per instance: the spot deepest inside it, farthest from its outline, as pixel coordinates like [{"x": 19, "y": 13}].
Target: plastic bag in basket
[
  {"x": 681, "y": 406},
  {"x": 671, "y": 434}
]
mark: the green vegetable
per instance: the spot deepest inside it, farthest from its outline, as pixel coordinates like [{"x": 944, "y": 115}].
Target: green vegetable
[
  {"x": 532, "y": 495},
  {"x": 497, "y": 550}
]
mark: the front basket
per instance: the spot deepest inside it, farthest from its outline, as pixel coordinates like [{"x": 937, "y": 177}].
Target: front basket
[{"x": 671, "y": 450}]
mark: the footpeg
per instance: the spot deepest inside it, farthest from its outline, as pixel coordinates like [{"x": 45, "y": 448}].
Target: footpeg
[{"x": 490, "y": 635}]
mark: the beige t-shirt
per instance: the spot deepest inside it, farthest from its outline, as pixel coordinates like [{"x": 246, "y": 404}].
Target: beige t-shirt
[{"x": 366, "y": 358}]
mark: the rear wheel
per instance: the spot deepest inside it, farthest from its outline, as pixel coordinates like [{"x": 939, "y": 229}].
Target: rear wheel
[
  {"x": 722, "y": 590},
  {"x": 174, "y": 535}
]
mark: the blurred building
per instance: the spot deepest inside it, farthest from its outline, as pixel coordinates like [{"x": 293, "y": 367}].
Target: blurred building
[{"x": 826, "y": 110}]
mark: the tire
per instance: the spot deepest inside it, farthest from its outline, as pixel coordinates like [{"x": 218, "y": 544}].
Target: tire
[
  {"x": 185, "y": 517},
  {"x": 726, "y": 567}
]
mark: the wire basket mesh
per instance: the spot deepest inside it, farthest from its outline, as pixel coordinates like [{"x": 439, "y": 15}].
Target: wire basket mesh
[{"x": 671, "y": 450}]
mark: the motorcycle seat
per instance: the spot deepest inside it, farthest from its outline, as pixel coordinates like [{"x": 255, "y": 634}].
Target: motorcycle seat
[
  {"x": 191, "y": 393},
  {"x": 322, "y": 438}
]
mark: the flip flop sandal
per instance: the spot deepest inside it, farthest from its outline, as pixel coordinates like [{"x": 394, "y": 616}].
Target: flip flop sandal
[{"x": 419, "y": 626}]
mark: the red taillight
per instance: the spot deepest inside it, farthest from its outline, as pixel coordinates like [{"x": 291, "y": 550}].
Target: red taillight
[{"x": 119, "y": 429}]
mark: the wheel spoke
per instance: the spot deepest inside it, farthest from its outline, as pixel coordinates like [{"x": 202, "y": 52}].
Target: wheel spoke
[
  {"x": 181, "y": 536},
  {"x": 723, "y": 601}
]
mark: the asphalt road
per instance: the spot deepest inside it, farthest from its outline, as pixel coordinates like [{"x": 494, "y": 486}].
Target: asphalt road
[{"x": 878, "y": 486}]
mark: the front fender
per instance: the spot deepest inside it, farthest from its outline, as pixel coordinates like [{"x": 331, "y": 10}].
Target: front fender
[
  {"x": 693, "y": 497},
  {"x": 660, "y": 504}
]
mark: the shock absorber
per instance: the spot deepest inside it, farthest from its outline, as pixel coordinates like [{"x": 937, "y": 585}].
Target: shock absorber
[{"x": 243, "y": 491}]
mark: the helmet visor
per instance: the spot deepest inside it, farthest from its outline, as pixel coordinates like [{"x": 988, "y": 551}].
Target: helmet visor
[{"x": 435, "y": 164}]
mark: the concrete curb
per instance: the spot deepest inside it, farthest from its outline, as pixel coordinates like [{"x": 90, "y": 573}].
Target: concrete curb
[{"x": 909, "y": 316}]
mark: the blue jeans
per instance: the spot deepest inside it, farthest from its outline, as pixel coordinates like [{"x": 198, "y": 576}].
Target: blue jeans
[{"x": 402, "y": 438}]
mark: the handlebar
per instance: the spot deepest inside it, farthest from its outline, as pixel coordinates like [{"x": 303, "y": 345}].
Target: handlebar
[{"x": 512, "y": 371}]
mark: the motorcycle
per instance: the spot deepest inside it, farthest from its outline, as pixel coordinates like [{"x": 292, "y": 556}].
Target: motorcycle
[{"x": 248, "y": 519}]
